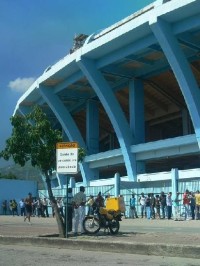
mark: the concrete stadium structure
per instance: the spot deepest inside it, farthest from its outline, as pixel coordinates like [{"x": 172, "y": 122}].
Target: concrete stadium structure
[{"x": 130, "y": 96}]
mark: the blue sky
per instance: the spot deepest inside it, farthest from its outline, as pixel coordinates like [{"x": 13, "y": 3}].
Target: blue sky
[{"x": 36, "y": 34}]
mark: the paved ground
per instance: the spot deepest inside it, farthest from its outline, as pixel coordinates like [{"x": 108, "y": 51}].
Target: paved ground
[
  {"x": 184, "y": 235},
  {"x": 35, "y": 256}
]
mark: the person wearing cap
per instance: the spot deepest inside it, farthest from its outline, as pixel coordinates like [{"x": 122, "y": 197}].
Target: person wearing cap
[{"x": 78, "y": 203}]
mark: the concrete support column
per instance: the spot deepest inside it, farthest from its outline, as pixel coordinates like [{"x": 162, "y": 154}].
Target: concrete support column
[
  {"x": 72, "y": 182},
  {"x": 54, "y": 183},
  {"x": 92, "y": 127},
  {"x": 136, "y": 110},
  {"x": 117, "y": 184},
  {"x": 185, "y": 122},
  {"x": 61, "y": 180},
  {"x": 174, "y": 178},
  {"x": 44, "y": 181}
]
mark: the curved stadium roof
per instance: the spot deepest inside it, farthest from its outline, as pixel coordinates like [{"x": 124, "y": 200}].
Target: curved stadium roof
[{"x": 157, "y": 50}]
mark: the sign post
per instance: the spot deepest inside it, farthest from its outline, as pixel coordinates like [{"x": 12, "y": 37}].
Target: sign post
[{"x": 67, "y": 163}]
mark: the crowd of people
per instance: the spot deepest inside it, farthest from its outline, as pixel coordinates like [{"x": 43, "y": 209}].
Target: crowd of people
[
  {"x": 26, "y": 207},
  {"x": 30, "y": 207},
  {"x": 161, "y": 205},
  {"x": 150, "y": 206}
]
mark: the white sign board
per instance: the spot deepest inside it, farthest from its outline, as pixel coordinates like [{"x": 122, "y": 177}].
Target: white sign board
[{"x": 67, "y": 157}]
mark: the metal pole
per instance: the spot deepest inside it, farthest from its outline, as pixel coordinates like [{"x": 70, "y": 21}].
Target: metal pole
[{"x": 66, "y": 208}]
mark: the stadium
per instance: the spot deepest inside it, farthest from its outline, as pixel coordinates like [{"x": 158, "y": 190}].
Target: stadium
[{"x": 129, "y": 95}]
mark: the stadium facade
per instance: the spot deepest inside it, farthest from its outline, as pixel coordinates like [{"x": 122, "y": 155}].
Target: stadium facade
[{"x": 130, "y": 96}]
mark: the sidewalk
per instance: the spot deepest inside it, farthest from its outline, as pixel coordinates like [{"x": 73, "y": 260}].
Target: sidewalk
[{"x": 141, "y": 236}]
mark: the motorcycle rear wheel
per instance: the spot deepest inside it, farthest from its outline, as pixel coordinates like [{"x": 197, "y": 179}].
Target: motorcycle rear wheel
[
  {"x": 91, "y": 225},
  {"x": 114, "y": 226}
]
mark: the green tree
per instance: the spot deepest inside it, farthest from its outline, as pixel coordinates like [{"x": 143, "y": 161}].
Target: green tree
[
  {"x": 8, "y": 176},
  {"x": 34, "y": 139}
]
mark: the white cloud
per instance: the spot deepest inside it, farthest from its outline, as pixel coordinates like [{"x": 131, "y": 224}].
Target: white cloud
[{"x": 21, "y": 84}]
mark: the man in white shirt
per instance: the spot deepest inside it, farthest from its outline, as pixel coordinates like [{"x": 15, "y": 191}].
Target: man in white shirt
[
  {"x": 78, "y": 203},
  {"x": 45, "y": 207},
  {"x": 142, "y": 201}
]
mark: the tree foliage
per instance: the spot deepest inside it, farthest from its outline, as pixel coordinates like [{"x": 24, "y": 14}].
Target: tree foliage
[
  {"x": 8, "y": 176},
  {"x": 33, "y": 139}
]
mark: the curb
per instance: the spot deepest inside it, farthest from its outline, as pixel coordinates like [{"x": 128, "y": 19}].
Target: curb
[{"x": 172, "y": 250}]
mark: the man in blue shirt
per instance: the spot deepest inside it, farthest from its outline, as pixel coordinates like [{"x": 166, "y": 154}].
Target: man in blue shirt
[{"x": 133, "y": 212}]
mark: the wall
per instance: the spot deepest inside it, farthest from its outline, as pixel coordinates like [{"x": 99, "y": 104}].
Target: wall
[{"x": 16, "y": 189}]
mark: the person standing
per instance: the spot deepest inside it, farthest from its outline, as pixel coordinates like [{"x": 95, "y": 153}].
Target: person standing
[
  {"x": 4, "y": 207},
  {"x": 192, "y": 205},
  {"x": 157, "y": 205},
  {"x": 186, "y": 204},
  {"x": 38, "y": 205},
  {"x": 176, "y": 202},
  {"x": 148, "y": 206},
  {"x": 153, "y": 202},
  {"x": 133, "y": 212},
  {"x": 60, "y": 206},
  {"x": 142, "y": 200},
  {"x": 45, "y": 207},
  {"x": 10, "y": 206},
  {"x": 28, "y": 206},
  {"x": 163, "y": 204},
  {"x": 169, "y": 205},
  {"x": 197, "y": 208},
  {"x": 14, "y": 208},
  {"x": 22, "y": 207},
  {"x": 78, "y": 203}
]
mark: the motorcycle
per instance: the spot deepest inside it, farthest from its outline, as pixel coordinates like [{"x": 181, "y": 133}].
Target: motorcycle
[{"x": 102, "y": 218}]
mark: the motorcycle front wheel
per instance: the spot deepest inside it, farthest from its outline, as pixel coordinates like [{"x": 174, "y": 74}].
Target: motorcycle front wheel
[
  {"x": 114, "y": 226},
  {"x": 91, "y": 225}
]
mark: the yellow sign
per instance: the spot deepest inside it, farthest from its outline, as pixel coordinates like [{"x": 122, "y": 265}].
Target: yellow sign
[{"x": 66, "y": 145}]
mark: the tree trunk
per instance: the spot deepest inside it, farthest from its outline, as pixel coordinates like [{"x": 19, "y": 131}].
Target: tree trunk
[{"x": 59, "y": 219}]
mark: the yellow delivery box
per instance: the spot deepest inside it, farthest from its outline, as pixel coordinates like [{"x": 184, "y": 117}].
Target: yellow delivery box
[{"x": 116, "y": 204}]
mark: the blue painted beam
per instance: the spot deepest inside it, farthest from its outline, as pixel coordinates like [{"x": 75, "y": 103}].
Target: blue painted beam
[
  {"x": 68, "y": 125},
  {"x": 179, "y": 146},
  {"x": 124, "y": 51},
  {"x": 70, "y": 80},
  {"x": 187, "y": 24},
  {"x": 113, "y": 110},
  {"x": 181, "y": 69}
]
